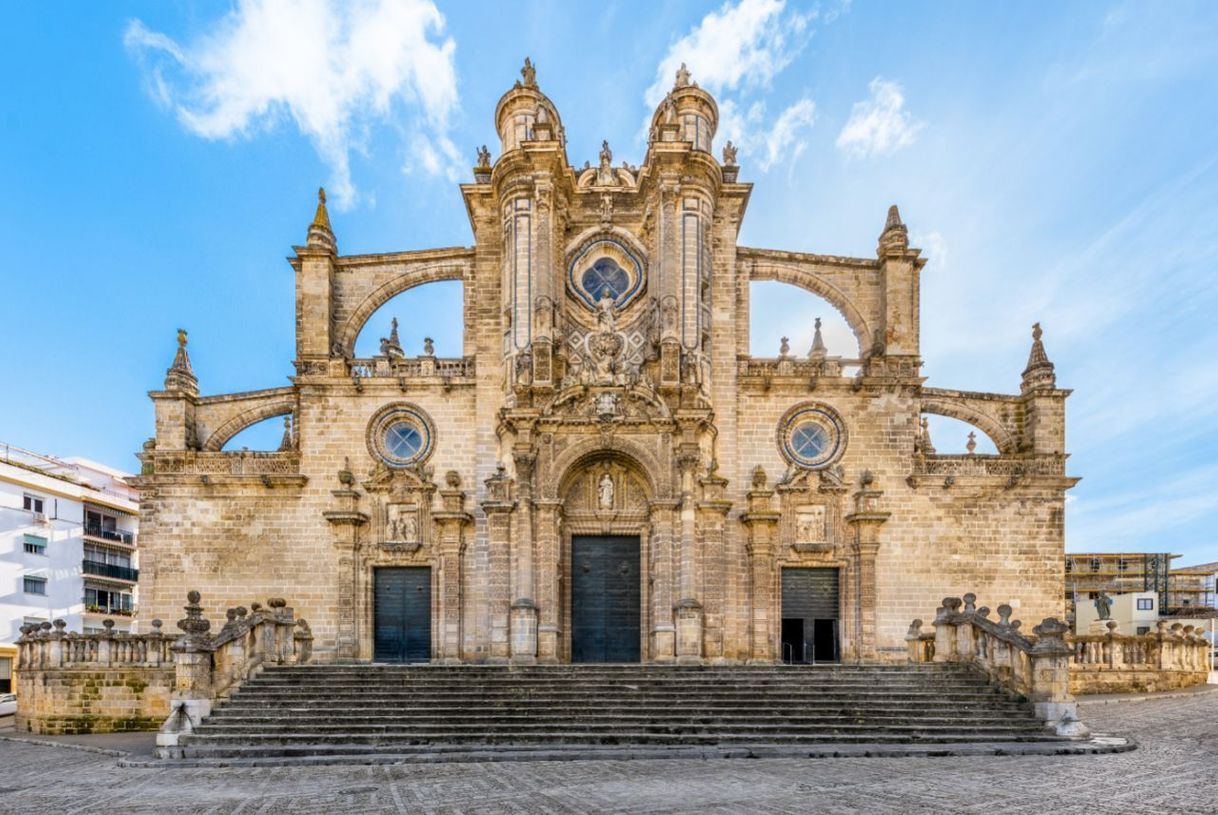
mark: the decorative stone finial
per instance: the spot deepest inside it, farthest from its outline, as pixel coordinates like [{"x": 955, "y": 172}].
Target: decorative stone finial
[
  {"x": 156, "y": 626},
  {"x": 924, "y": 443},
  {"x": 180, "y": 376},
  {"x": 1039, "y": 372},
  {"x": 529, "y": 74},
  {"x": 194, "y": 625},
  {"x": 429, "y": 347},
  {"x": 971, "y": 446},
  {"x": 818, "y": 350},
  {"x": 895, "y": 236},
  {"x": 321, "y": 236},
  {"x": 759, "y": 477},
  {"x": 453, "y": 479},
  {"x": 784, "y": 349},
  {"x": 729, "y": 154},
  {"x": 285, "y": 444},
  {"x": 391, "y": 346},
  {"x": 682, "y": 77}
]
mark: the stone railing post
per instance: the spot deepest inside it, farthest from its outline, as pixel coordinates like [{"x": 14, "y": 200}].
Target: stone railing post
[
  {"x": 1114, "y": 658},
  {"x": 966, "y": 647},
  {"x": 303, "y": 640},
  {"x": 105, "y": 644},
  {"x": 945, "y": 630},
  {"x": 193, "y": 679},
  {"x": 1050, "y": 679},
  {"x": 155, "y": 652},
  {"x": 913, "y": 642},
  {"x": 55, "y": 646}
]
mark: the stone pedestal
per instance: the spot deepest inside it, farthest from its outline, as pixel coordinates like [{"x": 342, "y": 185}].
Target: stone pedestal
[
  {"x": 689, "y": 632},
  {"x": 524, "y": 632}
]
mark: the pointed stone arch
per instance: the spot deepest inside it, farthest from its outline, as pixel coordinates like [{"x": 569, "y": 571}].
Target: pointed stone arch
[{"x": 267, "y": 408}]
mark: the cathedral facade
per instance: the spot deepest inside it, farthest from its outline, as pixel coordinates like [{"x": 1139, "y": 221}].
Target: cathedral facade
[{"x": 606, "y": 474}]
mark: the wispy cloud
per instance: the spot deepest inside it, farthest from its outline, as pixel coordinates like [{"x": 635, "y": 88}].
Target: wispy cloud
[
  {"x": 332, "y": 68},
  {"x": 879, "y": 125},
  {"x": 736, "y": 52}
]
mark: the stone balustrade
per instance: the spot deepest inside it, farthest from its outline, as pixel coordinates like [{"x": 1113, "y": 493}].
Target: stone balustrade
[
  {"x": 423, "y": 367},
  {"x": 48, "y": 645},
  {"x": 1170, "y": 657},
  {"x": 210, "y": 667},
  {"x": 1036, "y": 668}
]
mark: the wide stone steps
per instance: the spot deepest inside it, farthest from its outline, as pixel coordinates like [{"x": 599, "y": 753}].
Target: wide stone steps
[{"x": 344, "y": 712}]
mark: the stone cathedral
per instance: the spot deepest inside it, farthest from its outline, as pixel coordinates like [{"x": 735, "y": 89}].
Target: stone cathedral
[{"x": 606, "y": 474}]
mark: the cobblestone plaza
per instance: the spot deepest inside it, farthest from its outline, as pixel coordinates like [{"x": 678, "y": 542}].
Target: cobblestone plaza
[{"x": 1172, "y": 771}]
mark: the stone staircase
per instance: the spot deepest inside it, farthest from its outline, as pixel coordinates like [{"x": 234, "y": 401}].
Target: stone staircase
[{"x": 388, "y": 713}]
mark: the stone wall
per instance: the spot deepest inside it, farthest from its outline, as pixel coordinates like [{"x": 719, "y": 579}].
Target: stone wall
[
  {"x": 93, "y": 700},
  {"x": 1132, "y": 680}
]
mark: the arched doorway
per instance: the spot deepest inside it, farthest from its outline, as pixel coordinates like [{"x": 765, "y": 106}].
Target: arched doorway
[{"x": 605, "y": 563}]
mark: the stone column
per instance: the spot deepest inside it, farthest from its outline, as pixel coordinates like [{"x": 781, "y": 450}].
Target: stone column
[
  {"x": 761, "y": 521},
  {"x": 345, "y": 521},
  {"x": 865, "y": 522},
  {"x": 524, "y": 606},
  {"x": 450, "y": 546},
  {"x": 712, "y": 511},
  {"x": 498, "y": 508},
  {"x": 548, "y": 535},
  {"x": 689, "y": 607},
  {"x": 663, "y": 632}
]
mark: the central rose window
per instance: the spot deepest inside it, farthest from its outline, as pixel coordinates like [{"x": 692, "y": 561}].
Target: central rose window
[{"x": 605, "y": 267}]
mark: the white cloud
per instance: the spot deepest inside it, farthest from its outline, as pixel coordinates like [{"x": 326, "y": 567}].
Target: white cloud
[
  {"x": 783, "y": 137},
  {"x": 739, "y": 49},
  {"x": 332, "y": 67},
  {"x": 879, "y": 125},
  {"x": 741, "y": 45}
]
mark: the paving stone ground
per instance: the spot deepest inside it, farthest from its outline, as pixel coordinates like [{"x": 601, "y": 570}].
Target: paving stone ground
[{"x": 1174, "y": 770}]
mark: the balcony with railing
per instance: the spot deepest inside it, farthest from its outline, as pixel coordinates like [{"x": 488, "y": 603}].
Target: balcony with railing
[
  {"x": 110, "y": 570},
  {"x": 110, "y": 535}
]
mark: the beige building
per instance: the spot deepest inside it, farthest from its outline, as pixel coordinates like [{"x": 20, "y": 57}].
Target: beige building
[{"x": 606, "y": 474}]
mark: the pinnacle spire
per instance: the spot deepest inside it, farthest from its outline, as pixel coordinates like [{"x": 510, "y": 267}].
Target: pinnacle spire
[
  {"x": 819, "y": 351},
  {"x": 1039, "y": 372},
  {"x": 895, "y": 236},
  {"x": 180, "y": 376},
  {"x": 927, "y": 447},
  {"x": 286, "y": 443},
  {"x": 320, "y": 233}
]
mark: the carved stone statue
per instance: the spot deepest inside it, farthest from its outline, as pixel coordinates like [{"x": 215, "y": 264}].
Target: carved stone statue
[
  {"x": 484, "y": 157},
  {"x": 604, "y": 492},
  {"x": 729, "y": 154},
  {"x": 682, "y": 76},
  {"x": 529, "y": 74},
  {"x": 1103, "y": 605}
]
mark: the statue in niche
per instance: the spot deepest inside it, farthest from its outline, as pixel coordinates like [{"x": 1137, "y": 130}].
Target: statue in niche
[
  {"x": 403, "y": 523},
  {"x": 604, "y": 492}
]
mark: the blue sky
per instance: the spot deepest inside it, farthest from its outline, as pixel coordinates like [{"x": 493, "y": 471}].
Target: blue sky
[{"x": 1056, "y": 162}]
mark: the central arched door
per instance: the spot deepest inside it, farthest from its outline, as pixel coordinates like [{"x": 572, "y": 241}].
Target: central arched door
[{"x": 606, "y": 603}]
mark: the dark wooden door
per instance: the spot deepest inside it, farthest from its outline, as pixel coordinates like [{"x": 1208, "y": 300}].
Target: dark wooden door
[
  {"x": 403, "y": 614},
  {"x": 605, "y": 599},
  {"x": 811, "y": 597}
]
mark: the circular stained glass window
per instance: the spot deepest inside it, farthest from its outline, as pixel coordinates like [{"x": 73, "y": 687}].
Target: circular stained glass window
[
  {"x": 403, "y": 440},
  {"x": 605, "y": 275},
  {"x": 812, "y": 437},
  {"x": 400, "y": 436}
]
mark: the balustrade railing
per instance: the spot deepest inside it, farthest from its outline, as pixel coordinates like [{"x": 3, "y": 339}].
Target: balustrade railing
[
  {"x": 48, "y": 645},
  {"x": 412, "y": 367},
  {"x": 1170, "y": 647}
]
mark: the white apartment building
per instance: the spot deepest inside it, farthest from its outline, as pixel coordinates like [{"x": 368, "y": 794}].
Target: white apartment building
[{"x": 67, "y": 544}]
